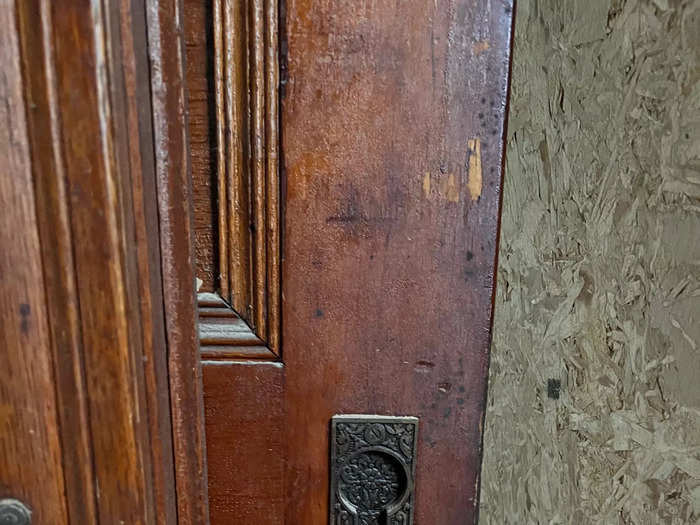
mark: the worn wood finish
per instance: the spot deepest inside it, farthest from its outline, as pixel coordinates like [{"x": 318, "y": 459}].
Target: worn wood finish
[
  {"x": 393, "y": 127},
  {"x": 135, "y": 97},
  {"x": 165, "y": 45},
  {"x": 92, "y": 159},
  {"x": 53, "y": 219},
  {"x": 95, "y": 143},
  {"x": 232, "y": 79},
  {"x": 201, "y": 122},
  {"x": 245, "y": 441},
  {"x": 30, "y": 455}
]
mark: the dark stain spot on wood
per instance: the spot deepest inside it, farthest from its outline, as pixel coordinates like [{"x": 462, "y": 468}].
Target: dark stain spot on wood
[
  {"x": 424, "y": 366},
  {"x": 318, "y": 313},
  {"x": 553, "y": 388},
  {"x": 344, "y": 219},
  {"x": 460, "y": 401},
  {"x": 470, "y": 256},
  {"x": 24, "y": 311},
  {"x": 461, "y": 389}
]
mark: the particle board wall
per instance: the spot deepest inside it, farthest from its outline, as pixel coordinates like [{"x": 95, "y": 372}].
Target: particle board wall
[{"x": 594, "y": 397}]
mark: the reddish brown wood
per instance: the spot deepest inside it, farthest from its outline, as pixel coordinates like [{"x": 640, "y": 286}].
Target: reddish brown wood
[
  {"x": 135, "y": 97},
  {"x": 166, "y": 51},
  {"x": 93, "y": 165},
  {"x": 96, "y": 158},
  {"x": 30, "y": 455},
  {"x": 245, "y": 442},
  {"x": 201, "y": 108},
  {"x": 232, "y": 79},
  {"x": 393, "y": 127},
  {"x": 59, "y": 278}
]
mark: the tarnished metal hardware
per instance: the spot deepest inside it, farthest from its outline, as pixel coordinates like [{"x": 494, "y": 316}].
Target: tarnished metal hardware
[
  {"x": 14, "y": 512},
  {"x": 372, "y": 469}
]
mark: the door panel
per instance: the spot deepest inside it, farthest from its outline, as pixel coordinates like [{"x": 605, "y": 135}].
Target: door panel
[
  {"x": 393, "y": 126},
  {"x": 100, "y": 408},
  {"x": 293, "y": 205},
  {"x": 245, "y": 441},
  {"x": 384, "y": 210}
]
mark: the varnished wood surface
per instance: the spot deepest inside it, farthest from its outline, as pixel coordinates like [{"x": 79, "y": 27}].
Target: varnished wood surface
[
  {"x": 393, "y": 128},
  {"x": 36, "y": 33},
  {"x": 245, "y": 442},
  {"x": 30, "y": 455},
  {"x": 92, "y": 370},
  {"x": 95, "y": 144},
  {"x": 173, "y": 185},
  {"x": 149, "y": 290},
  {"x": 201, "y": 127},
  {"x": 232, "y": 79}
]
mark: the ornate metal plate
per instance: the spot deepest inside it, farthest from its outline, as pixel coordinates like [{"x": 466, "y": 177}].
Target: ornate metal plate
[{"x": 372, "y": 469}]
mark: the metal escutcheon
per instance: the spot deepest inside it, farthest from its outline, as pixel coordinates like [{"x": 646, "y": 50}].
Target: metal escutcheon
[{"x": 372, "y": 469}]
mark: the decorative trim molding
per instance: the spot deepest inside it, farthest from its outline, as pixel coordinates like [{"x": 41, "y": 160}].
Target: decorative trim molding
[
  {"x": 224, "y": 335},
  {"x": 246, "y": 89}
]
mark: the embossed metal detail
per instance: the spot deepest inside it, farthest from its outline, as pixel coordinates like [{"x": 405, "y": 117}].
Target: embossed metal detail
[
  {"x": 14, "y": 512},
  {"x": 372, "y": 469}
]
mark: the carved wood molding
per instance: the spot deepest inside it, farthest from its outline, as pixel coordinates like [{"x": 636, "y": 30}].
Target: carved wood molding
[{"x": 246, "y": 82}]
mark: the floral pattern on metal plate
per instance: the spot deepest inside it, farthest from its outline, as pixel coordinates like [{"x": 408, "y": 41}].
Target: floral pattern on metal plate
[{"x": 372, "y": 469}]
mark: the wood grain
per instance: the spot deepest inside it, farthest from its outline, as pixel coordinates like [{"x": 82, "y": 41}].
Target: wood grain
[
  {"x": 57, "y": 257},
  {"x": 234, "y": 151},
  {"x": 166, "y": 53},
  {"x": 135, "y": 100},
  {"x": 30, "y": 455},
  {"x": 245, "y": 442},
  {"x": 96, "y": 159},
  {"x": 205, "y": 157},
  {"x": 389, "y": 260}
]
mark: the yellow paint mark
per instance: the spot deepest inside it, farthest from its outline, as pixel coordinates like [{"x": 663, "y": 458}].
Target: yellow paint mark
[
  {"x": 480, "y": 47},
  {"x": 451, "y": 190},
  {"x": 426, "y": 184},
  {"x": 475, "y": 182}
]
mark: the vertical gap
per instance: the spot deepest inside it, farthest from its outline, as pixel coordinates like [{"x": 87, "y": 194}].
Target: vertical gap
[{"x": 223, "y": 131}]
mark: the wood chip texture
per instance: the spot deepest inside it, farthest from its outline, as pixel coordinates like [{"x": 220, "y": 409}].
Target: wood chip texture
[{"x": 594, "y": 398}]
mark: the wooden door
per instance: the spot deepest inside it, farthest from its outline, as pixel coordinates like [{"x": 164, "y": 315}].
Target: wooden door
[
  {"x": 346, "y": 162},
  {"x": 247, "y": 257}
]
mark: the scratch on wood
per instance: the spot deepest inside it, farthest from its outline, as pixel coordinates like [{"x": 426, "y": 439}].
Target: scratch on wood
[{"x": 475, "y": 182}]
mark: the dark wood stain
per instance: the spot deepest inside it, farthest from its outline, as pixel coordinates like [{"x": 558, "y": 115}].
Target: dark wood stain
[
  {"x": 379, "y": 95},
  {"x": 173, "y": 184},
  {"x": 245, "y": 442},
  {"x": 88, "y": 409},
  {"x": 30, "y": 452}
]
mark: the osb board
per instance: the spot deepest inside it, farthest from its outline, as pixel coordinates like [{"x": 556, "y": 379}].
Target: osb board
[{"x": 599, "y": 270}]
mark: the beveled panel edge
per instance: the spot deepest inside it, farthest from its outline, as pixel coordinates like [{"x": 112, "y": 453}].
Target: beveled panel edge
[
  {"x": 224, "y": 335},
  {"x": 248, "y": 176}
]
